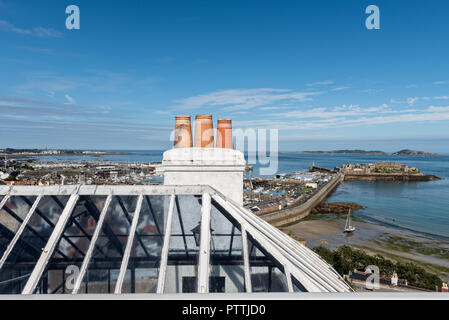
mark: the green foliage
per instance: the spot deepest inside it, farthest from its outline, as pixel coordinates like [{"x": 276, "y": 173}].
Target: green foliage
[
  {"x": 345, "y": 259},
  {"x": 305, "y": 190}
]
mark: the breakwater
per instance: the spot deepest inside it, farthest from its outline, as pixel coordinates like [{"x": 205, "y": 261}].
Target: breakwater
[{"x": 295, "y": 213}]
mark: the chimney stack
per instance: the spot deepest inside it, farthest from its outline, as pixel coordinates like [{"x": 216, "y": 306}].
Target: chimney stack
[
  {"x": 183, "y": 132},
  {"x": 204, "y": 131},
  {"x": 221, "y": 168},
  {"x": 224, "y": 134}
]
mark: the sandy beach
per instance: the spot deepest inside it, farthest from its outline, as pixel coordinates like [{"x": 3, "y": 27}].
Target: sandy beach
[{"x": 394, "y": 244}]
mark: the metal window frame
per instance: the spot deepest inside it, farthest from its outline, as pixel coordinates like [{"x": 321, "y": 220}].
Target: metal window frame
[
  {"x": 289, "y": 280},
  {"x": 92, "y": 245},
  {"x": 204, "y": 254},
  {"x": 316, "y": 264},
  {"x": 181, "y": 223},
  {"x": 293, "y": 245},
  {"x": 126, "y": 213},
  {"x": 301, "y": 271},
  {"x": 129, "y": 244},
  {"x": 19, "y": 232},
  {"x": 51, "y": 245},
  {"x": 248, "y": 284},
  {"x": 164, "y": 255},
  {"x": 95, "y": 213},
  {"x": 4, "y": 200},
  {"x": 103, "y": 190},
  {"x": 300, "y": 262},
  {"x": 300, "y": 275},
  {"x": 314, "y": 269}
]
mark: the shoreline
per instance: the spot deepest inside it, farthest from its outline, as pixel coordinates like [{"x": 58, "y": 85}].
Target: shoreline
[{"x": 392, "y": 243}]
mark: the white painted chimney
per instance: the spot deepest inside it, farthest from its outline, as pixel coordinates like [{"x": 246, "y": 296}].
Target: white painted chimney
[{"x": 220, "y": 168}]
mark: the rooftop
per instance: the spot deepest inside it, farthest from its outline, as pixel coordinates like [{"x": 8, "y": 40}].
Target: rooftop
[{"x": 147, "y": 239}]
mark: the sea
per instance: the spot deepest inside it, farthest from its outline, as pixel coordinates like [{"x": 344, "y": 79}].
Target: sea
[{"x": 421, "y": 208}]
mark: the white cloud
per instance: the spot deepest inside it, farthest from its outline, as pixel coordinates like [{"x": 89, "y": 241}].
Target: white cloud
[
  {"x": 320, "y": 83},
  {"x": 441, "y": 82},
  {"x": 70, "y": 100},
  {"x": 412, "y": 101},
  {"x": 243, "y": 99},
  {"x": 36, "y": 31},
  {"x": 339, "y": 88},
  {"x": 349, "y": 116},
  {"x": 371, "y": 91}
]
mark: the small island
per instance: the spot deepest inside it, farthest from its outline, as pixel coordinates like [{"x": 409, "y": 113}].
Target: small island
[
  {"x": 358, "y": 152},
  {"x": 53, "y": 152},
  {"x": 404, "y": 152},
  {"x": 407, "y": 152}
]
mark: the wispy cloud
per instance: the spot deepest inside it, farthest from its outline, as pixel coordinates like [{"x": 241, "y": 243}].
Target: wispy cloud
[
  {"x": 340, "y": 88},
  {"x": 70, "y": 100},
  {"x": 238, "y": 99},
  {"x": 320, "y": 83},
  {"x": 412, "y": 101},
  {"x": 338, "y": 111},
  {"x": 349, "y": 116},
  {"x": 371, "y": 91},
  {"x": 441, "y": 82},
  {"x": 93, "y": 81},
  {"x": 42, "y": 32}
]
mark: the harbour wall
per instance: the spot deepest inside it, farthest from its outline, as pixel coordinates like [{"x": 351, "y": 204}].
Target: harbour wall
[{"x": 295, "y": 213}]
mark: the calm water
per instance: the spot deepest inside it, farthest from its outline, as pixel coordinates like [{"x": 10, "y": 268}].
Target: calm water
[{"x": 420, "y": 207}]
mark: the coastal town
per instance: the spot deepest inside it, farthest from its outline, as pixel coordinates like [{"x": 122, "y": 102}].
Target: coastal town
[
  {"x": 282, "y": 200},
  {"x": 31, "y": 172}
]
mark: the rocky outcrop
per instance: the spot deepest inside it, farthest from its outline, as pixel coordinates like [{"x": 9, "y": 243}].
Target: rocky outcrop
[
  {"x": 391, "y": 177},
  {"x": 407, "y": 152},
  {"x": 336, "y": 208}
]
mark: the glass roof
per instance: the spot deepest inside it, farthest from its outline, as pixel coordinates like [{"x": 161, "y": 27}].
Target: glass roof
[{"x": 147, "y": 239}]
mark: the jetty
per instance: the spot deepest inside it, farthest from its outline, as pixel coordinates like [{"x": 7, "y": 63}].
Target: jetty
[{"x": 297, "y": 212}]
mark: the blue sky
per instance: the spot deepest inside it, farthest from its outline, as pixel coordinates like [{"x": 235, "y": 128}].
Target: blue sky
[{"x": 308, "y": 68}]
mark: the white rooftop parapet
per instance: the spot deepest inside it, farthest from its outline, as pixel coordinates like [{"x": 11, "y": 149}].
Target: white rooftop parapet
[{"x": 219, "y": 168}]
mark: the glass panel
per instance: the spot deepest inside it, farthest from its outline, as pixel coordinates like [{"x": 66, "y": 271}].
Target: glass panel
[
  {"x": 184, "y": 243},
  {"x": 21, "y": 262},
  {"x": 297, "y": 286},
  {"x": 267, "y": 275},
  {"x": 143, "y": 266},
  {"x": 226, "y": 259},
  {"x": 104, "y": 266},
  {"x": 11, "y": 217},
  {"x": 64, "y": 265}
]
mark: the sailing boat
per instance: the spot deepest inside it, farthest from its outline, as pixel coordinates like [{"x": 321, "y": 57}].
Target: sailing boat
[{"x": 349, "y": 228}]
